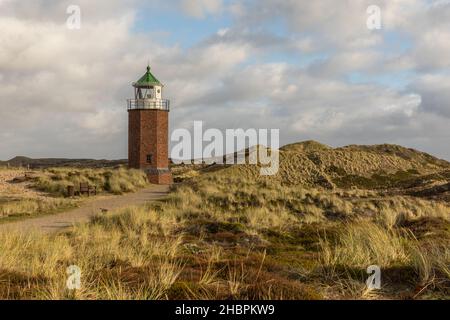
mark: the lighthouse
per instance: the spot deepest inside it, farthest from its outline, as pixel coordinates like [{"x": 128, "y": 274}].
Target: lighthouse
[{"x": 148, "y": 129}]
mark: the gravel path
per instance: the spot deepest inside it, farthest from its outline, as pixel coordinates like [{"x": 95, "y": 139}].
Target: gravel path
[{"x": 61, "y": 221}]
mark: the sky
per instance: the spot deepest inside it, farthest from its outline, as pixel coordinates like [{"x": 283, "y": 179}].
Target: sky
[{"x": 312, "y": 69}]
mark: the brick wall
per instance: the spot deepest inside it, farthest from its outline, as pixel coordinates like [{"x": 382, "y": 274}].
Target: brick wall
[{"x": 148, "y": 134}]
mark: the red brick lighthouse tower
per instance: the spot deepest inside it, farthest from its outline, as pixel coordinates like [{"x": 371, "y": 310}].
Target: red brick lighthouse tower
[{"x": 148, "y": 129}]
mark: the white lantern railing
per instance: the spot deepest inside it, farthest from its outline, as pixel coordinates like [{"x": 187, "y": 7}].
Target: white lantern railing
[{"x": 160, "y": 104}]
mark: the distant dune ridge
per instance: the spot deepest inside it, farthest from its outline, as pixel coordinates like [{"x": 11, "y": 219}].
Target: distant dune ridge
[{"x": 61, "y": 162}]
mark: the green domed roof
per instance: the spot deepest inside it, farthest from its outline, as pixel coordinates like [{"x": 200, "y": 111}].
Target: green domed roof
[{"x": 148, "y": 79}]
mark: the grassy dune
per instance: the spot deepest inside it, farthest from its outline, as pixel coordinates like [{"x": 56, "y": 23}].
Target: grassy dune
[
  {"x": 221, "y": 236},
  {"x": 44, "y": 191},
  {"x": 362, "y": 167},
  {"x": 228, "y": 233},
  {"x": 116, "y": 181}
]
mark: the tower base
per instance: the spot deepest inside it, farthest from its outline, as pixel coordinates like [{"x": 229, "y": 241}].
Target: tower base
[{"x": 159, "y": 176}]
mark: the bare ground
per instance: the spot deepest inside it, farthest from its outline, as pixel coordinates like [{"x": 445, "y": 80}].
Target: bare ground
[
  {"x": 20, "y": 190},
  {"x": 61, "y": 221}
]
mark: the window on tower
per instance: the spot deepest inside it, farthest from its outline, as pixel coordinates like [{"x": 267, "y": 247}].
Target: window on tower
[{"x": 149, "y": 158}]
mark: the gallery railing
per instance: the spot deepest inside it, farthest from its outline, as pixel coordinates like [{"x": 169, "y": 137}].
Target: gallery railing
[{"x": 161, "y": 104}]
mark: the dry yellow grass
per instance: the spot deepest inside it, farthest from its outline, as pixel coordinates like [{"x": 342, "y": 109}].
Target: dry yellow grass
[
  {"x": 31, "y": 207},
  {"x": 361, "y": 244},
  {"x": 231, "y": 235},
  {"x": 108, "y": 251},
  {"x": 116, "y": 181},
  {"x": 41, "y": 191},
  {"x": 310, "y": 163},
  {"x": 140, "y": 252}
]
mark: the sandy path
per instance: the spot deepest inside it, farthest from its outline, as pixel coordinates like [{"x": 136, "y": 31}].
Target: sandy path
[{"x": 60, "y": 221}]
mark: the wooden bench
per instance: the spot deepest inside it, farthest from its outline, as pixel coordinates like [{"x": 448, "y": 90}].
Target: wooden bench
[{"x": 85, "y": 188}]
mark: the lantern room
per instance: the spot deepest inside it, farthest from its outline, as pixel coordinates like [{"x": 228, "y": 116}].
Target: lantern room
[{"x": 148, "y": 93}]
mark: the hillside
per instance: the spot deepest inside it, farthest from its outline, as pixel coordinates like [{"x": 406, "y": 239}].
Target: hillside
[
  {"x": 227, "y": 233},
  {"x": 389, "y": 168}
]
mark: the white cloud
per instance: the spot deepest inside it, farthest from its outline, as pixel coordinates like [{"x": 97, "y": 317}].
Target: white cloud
[
  {"x": 435, "y": 92},
  {"x": 222, "y": 32},
  {"x": 201, "y": 8},
  {"x": 427, "y": 23},
  {"x": 62, "y": 92}
]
